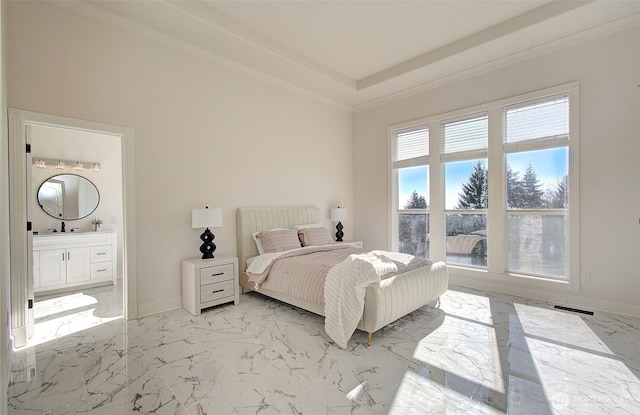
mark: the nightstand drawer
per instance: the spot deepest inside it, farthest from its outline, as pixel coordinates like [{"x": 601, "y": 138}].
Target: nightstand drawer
[
  {"x": 216, "y": 291},
  {"x": 218, "y": 273}
]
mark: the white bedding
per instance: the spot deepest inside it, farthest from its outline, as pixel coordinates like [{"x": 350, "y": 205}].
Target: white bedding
[
  {"x": 260, "y": 264},
  {"x": 345, "y": 288}
]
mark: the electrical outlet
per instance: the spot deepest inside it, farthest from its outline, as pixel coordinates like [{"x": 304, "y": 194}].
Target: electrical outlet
[
  {"x": 114, "y": 220},
  {"x": 585, "y": 278}
]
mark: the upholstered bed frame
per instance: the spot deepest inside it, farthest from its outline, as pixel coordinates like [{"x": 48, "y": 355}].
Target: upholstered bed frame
[{"x": 394, "y": 298}]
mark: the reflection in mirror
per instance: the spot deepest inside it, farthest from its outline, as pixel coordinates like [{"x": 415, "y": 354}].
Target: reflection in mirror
[{"x": 68, "y": 197}]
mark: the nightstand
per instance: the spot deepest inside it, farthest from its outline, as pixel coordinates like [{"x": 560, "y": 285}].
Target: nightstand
[{"x": 209, "y": 282}]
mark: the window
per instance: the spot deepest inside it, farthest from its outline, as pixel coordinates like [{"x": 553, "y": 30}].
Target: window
[
  {"x": 495, "y": 191},
  {"x": 536, "y": 143},
  {"x": 411, "y": 166},
  {"x": 463, "y": 150}
]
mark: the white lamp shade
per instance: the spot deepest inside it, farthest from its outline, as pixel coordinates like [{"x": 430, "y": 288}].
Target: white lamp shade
[
  {"x": 338, "y": 214},
  {"x": 206, "y": 218}
]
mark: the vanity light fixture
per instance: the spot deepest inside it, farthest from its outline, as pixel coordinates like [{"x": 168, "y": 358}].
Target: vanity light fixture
[{"x": 43, "y": 163}]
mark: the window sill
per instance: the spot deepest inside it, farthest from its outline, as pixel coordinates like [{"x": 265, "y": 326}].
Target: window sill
[{"x": 482, "y": 278}]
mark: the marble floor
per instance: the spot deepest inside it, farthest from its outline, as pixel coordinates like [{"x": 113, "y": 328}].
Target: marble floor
[{"x": 479, "y": 353}]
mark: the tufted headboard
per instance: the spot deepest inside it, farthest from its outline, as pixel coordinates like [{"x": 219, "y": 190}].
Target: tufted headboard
[{"x": 256, "y": 219}]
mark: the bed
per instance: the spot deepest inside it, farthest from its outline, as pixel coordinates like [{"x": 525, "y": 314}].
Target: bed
[{"x": 384, "y": 303}]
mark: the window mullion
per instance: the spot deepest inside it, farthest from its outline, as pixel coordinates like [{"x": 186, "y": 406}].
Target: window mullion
[
  {"x": 496, "y": 228},
  {"x": 436, "y": 196}
]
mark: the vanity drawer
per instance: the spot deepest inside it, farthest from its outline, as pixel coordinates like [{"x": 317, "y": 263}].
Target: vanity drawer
[
  {"x": 100, "y": 253},
  {"x": 101, "y": 270},
  {"x": 217, "y": 273},
  {"x": 211, "y": 292}
]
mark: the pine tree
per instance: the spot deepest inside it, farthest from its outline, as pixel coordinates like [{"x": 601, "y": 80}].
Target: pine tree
[
  {"x": 532, "y": 194},
  {"x": 514, "y": 189},
  {"x": 559, "y": 198},
  {"x": 474, "y": 192},
  {"x": 416, "y": 201},
  {"x": 413, "y": 228}
]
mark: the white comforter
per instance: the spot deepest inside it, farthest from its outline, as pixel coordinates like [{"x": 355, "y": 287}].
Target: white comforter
[{"x": 345, "y": 288}]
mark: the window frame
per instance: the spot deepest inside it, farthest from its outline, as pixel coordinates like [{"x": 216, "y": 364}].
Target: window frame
[
  {"x": 497, "y": 217},
  {"x": 394, "y": 166}
]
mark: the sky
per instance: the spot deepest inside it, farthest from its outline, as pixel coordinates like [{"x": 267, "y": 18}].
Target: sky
[{"x": 550, "y": 165}]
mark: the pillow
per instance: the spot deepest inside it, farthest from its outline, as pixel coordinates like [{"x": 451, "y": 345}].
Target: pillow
[
  {"x": 314, "y": 236},
  {"x": 256, "y": 239},
  {"x": 309, "y": 225},
  {"x": 278, "y": 240}
]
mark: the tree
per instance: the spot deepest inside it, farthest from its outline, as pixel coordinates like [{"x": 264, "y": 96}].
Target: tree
[
  {"x": 413, "y": 228},
  {"x": 559, "y": 197},
  {"x": 474, "y": 192},
  {"x": 416, "y": 201},
  {"x": 514, "y": 189},
  {"x": 532, "y": 194}
]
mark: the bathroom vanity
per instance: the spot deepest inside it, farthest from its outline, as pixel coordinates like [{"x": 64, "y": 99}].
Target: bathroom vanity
[{"x": 73, "y": 259}]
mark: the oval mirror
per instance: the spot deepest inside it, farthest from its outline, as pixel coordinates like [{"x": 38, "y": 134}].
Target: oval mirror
[{"x": 68, "y": 197}]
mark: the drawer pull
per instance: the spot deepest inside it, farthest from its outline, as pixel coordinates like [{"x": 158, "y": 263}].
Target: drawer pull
[
  {"x": 101, "y": 253},
  {"x": 217, "y": 291},
  {"x": 218, "y": 274},
  {"x": 101, "y": 270}
]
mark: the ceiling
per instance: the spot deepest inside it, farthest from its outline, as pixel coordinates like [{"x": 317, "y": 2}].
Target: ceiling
[{"x": 358, "y": 54}]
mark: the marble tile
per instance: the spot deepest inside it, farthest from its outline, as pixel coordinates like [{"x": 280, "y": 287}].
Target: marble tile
[{"x": 479, "y": 353}]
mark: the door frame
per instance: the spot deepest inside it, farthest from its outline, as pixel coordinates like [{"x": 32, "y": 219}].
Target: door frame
[{"x": 21, "y": 274}]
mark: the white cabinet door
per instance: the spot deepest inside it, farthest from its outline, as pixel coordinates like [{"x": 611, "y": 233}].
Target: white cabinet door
[
  {"x": 78, "y": 264},
  {"x": 53, "y": 267}
]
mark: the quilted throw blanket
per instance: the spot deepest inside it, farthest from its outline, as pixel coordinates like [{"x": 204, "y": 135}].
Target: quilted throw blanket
[{"x": 345, "y": 288}]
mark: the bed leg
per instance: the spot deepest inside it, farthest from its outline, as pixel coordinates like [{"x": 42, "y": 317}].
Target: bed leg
[
  {"x": 369, "y": 339},
  {"x": 438, "y": 303}
]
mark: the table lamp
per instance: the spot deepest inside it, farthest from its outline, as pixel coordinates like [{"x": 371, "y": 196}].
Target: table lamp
[{"x": 206, "y": 218}]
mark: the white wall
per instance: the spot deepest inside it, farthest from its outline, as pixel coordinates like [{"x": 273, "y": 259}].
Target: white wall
[
  {"x": 203, "y": 134},
  {"x": 608, "y": 72},
  {"x": 67, "y": 144}
]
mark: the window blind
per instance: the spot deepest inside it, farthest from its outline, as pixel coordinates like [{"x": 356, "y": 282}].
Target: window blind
[
  {"x": 544, "y": 118},
  {"x": 411, "y": 144},
  {"x": 464, "y": 135}
]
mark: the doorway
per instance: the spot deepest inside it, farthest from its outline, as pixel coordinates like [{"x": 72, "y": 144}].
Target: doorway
[
  {"x": 25, "y": 128},
  {"x": 85, "y": 289}
]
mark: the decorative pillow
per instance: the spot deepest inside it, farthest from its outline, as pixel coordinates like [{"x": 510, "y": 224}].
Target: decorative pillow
[
  {"x": 278, "y": 240},
  {"x": 256, "y": 239},
  {"x": 314, "y": 236}
]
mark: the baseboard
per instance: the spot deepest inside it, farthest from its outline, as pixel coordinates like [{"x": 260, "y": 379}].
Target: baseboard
[
  {"x": 159, "y": 307},
  {"x": 560, "y": 298}
]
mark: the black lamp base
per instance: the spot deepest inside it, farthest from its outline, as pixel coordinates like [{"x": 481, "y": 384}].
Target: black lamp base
[
  {"x": 339, "y": 234},
  {"x": 208, "y": 247}
]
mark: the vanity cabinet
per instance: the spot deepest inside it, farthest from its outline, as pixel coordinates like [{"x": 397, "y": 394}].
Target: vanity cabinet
[{"x": 72, "y": 260}]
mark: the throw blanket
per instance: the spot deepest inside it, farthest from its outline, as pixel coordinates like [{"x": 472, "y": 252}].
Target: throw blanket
[{"x": 345, "y": 288}]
